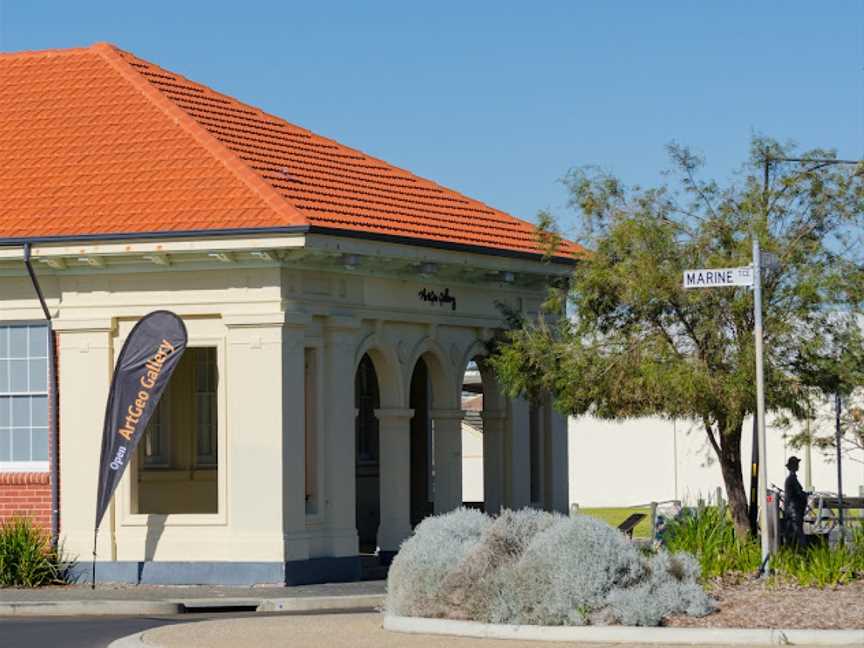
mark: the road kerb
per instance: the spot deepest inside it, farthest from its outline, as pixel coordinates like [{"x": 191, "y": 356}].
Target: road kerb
[
  {"x": 88, "y": 608},
  {"x": 323, "y": 603},
  {"x": 359, "y": 602},
  {"x": 627, "y": 634}
]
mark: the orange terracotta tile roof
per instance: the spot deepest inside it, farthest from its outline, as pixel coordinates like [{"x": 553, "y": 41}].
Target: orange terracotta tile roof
[{"x": 97, "y": 142}]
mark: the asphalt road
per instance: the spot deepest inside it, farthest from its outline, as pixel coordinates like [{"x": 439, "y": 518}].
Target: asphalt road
[
  {"x": 79, "y": 632},
  {"x": 99, "y": 631}
]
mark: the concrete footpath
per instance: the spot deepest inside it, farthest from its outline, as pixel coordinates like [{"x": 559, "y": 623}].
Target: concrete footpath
[
  {"x": 75, "y": 600},
  {"x": 362, "y": 630}
]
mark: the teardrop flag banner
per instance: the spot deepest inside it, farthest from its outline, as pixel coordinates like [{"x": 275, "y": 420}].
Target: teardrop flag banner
[{"x": 144, "y": 367}]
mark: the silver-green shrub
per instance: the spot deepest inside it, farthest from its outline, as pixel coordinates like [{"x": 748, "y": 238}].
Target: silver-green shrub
[
  {"x": 532, "y": 567},
  {"x": 481, "y": 581},
  {"x": 416, "y": 580}
]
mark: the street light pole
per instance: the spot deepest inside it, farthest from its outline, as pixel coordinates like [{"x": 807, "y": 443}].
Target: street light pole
[
  {"x": 838, "y": 440},
  {"x": 760, "y": 383},
  {"x": 759, "y": 335}
]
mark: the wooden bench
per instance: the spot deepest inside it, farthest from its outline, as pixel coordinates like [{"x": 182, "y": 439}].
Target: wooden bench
[{"x": 630, "y": 523}]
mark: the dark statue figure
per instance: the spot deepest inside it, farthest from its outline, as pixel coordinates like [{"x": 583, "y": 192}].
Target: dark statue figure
[{"x": 795, "y": 506}]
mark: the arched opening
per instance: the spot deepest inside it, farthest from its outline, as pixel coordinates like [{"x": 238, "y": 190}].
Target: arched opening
[
  {"x": 422, "y": 445},
  {"x": 472, "y": 437},
  {"x": 367, "y": 399}
]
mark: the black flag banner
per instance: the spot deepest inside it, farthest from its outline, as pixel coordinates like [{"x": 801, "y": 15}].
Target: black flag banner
[{"x": 144, "y": 367}]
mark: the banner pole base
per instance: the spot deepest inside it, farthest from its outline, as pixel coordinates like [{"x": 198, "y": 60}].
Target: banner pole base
[{"x": 93, "y": 579}]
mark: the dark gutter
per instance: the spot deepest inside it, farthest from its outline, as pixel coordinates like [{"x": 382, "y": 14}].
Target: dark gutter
[
  {"x": 130, "y": 236},
  {"x": 54, "y": 410}
]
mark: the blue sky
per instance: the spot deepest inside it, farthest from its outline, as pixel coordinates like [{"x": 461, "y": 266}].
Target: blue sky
[{"x": 499, "y": 99}]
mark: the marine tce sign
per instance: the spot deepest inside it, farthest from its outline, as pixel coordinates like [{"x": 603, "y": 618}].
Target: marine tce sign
[
  {"x": 144, "y": 366},
  {"x": 718, "y": 277}
]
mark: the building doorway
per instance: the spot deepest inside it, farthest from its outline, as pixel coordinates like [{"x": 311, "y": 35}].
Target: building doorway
[{"x": 367, "y": 464}]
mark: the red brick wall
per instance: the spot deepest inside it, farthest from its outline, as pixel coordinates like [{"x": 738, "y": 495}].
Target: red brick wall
[
  {"x": 29, "y": 494},
  {"x": 26, "y": 494}
]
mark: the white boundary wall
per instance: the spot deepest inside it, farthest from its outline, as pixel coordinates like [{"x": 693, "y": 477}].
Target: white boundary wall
[{"x": 653, "y": 459}]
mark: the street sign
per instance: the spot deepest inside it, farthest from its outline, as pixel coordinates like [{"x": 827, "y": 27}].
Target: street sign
[{"x": 718, "y": 277}]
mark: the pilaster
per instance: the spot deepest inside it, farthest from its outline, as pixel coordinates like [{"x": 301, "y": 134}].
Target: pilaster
[
  {"x": 557, "y": 466},
  {"x": 86, "y": 364},
  {"x": 493, "y": 460},
  {"x": 517, "y": 475},
  {"x": 448, "y": 459},
  {"x": 340, "y": 522}
]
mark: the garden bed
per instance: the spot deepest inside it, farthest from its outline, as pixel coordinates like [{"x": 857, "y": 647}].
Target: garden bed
[{"x": 758, "y": 604}]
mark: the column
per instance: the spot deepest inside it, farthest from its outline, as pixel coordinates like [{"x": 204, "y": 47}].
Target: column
[
  {"x": 447, "y": 425},
  {"x": 493, "y": 460},
  {"x": 394, "y": 443},
  {"x": 517, "y": 458},
  {"x": 85, "y": 368},
  {"x": 294, "y": 438},
  {"x": 558, "y": 462},
  {"x": 338, "y": 498}
]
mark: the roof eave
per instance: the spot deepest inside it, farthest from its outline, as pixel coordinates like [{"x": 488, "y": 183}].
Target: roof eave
[{"x": 443, "y": 245}]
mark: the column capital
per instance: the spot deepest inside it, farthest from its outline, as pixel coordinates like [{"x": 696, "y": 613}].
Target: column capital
[
  {"x": 297, "y": 320},
  {"x": 493, "y": 415},
  {"x": 94, "y": 325},
  {"x": 333, "y": 323},
  {"x": 254, "y": 320},
  {"x": 393, "y": 414},
  {"x": 448, "y": 414}
]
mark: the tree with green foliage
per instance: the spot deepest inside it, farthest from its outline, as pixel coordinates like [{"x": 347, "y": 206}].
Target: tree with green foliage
[{"x": 635, "y": 343}]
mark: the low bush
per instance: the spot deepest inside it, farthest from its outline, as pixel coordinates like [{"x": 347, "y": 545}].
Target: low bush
[
  {"x": 709, "y": 535},
  {"x": 532, "y": 567},
  {"x": 26, "y": 556}
]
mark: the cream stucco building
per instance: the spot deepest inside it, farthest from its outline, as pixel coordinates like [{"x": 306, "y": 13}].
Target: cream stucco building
[{"x": 333, "y": 304}]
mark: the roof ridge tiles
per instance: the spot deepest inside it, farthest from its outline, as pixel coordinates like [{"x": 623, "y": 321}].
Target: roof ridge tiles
[{"x": 113, "y": 56}]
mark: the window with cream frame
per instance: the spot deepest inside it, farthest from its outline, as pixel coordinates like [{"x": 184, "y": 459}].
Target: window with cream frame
[
  {"x": 24, "y": 397},
  {"x": 180, "y": 470}
]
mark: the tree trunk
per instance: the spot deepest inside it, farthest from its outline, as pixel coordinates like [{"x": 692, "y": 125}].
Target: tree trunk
[{"x": 730, "y": 465}]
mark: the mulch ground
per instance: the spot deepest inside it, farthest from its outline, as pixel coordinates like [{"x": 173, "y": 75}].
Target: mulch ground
[{"x": 756, "y": 604}]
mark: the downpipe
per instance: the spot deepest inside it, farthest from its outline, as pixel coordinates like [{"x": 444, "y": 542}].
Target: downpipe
[{"x": 53, "y": 402}]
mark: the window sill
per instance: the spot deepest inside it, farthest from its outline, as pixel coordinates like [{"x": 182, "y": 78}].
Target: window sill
[
  {"x": 24, "y": 467},
  {"x": 172, "y": 474},
  {"x": 168, "y": 520}
]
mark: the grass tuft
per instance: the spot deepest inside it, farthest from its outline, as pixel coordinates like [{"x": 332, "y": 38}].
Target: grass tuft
[
  {"x": 820, "y": 565},
  {"x": 709, "y": 535},
  {"x": 26, "y": 556}
]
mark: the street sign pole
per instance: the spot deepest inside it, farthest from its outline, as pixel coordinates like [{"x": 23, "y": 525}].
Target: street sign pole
[
  {"x": 760, "y": 403},
  {"x": 751, "y": 277}
]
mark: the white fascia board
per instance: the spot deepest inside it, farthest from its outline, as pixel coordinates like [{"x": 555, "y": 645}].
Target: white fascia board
[
  {"x": 155, "y": 246},
  {"x": 419, "y": 253}
]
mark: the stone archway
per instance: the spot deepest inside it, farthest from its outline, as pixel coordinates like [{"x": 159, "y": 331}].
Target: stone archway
[
  {"x": 436, "y": 471},
  {"x": 377, "y": 394},
  {"x": 422, "y": 444},
  {"x": 367, "y": 399}
]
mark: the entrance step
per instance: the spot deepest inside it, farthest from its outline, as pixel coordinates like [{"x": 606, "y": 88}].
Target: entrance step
[{"x": 372, "y": 569}]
